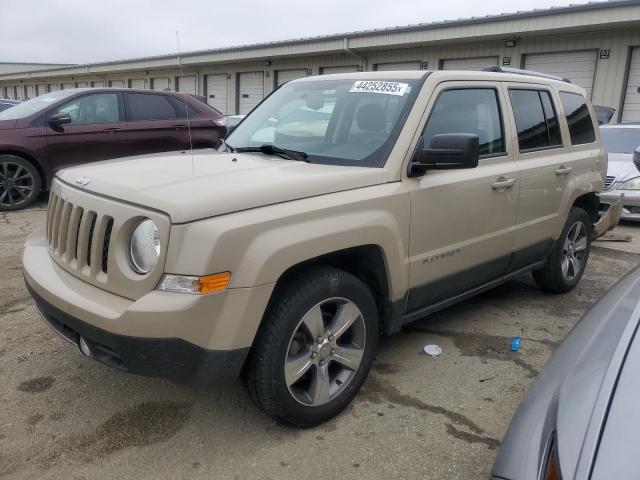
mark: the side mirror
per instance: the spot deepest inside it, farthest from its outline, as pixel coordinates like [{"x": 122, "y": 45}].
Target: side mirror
[
  {"x": 636, "y": 158},
  {"x": 59, "y": 119},
  {"x": 447, "y": 151}
]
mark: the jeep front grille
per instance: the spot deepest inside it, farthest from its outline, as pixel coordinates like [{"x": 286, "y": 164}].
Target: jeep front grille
[
  {"x": 79, "y": 238},
  {"x": 87, "y": 236},
  {"x": 608, "y": 182}
]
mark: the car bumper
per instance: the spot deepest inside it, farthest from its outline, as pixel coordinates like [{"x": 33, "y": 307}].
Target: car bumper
[
  {"x": 610, "y": 214},
  {"x": 201, "y": 340},
  {"x": 630, "y": 204}
]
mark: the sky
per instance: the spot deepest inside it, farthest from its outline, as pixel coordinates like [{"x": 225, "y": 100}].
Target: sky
[{"x": 86, "y": 31}]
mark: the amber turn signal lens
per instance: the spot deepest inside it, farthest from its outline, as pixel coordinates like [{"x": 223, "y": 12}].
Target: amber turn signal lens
[
  {"x": 212, "y": 283},
  {"x": 194, "y": 285}
]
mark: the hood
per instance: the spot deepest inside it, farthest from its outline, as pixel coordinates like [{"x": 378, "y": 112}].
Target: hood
[
  {"x": 621, "y": 167},
  {"x": 7, "y": 124},
  {"x": 571, "y": 393},
  {"x": 212, "y": 183}
]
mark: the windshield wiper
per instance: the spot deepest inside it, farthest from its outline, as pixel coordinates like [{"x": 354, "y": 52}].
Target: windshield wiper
[{"x": 269, "y": 149}]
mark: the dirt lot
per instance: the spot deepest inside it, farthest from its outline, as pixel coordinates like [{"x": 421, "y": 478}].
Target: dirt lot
[{"x": 62, "y": 416}]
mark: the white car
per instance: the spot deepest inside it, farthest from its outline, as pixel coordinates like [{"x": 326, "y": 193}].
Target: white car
[{"x": 620, "y": 142}]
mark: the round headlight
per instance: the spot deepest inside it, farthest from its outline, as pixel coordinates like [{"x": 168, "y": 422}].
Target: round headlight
[{"x": 144, "y": 247}]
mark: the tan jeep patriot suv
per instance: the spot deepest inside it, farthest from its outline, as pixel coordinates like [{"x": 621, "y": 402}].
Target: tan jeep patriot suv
[{"x": 341, "y": 208}]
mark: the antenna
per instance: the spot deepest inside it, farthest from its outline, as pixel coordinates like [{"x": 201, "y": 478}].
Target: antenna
[{"x": 186, "y": 105}]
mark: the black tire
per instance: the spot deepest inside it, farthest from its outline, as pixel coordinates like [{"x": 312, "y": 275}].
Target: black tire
[
  {"x": 553, "y": 278},
  {"x": 265, "y": 370},
  {"x": 20, "y": 183}
]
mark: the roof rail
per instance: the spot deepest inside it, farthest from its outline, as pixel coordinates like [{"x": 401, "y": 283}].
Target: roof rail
[{"x": 519, "y": 71}]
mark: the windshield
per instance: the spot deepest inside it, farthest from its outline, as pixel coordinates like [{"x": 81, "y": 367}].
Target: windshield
[
  {"x": 339, "y": 122},
  {"x": 620, "y": 140},
  {"x": 24, "y": 109}
]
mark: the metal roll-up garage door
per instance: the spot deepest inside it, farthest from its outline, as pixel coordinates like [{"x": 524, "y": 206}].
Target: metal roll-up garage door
[
  {"x": 53, "y": 87},
  {"x": 472, "y": 63},
  {"x": 631, "y": 106},
  {"x": 98, "y": 84},
  {"x": 31, "y": 92},
  {"x": 187, "y": 84},
  {"x": 116, "y": 83},
  {"x": 250, "y": 91},
  {"x": 138, "y": 83},
  {"x": 67, "y": 86},
  {"x": 217, "y": 92},
  {"x": 579, "y": 67},
  {"x": 160, "y": 83},
  {"x": 82, "y": 84},
  {"x": 284, "y": 76},
  {"x": 330, "y": 70},
  {"x": 383, "y": 67}
]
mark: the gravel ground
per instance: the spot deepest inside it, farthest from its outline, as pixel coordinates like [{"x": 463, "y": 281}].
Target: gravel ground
[{"x": 63, "y": 416}]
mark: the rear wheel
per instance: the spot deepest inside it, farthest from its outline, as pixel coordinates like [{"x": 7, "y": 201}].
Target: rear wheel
[
  {"x": 19, "y": 183},
  {"x": 315, "y": 348},
  {"x": 570, "y": 254}
]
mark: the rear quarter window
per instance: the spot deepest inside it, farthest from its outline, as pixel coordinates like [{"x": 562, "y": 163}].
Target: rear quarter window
[{"x": 579, "y": 119}]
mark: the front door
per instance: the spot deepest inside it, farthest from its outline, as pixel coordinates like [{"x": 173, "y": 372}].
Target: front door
[
  {"x": 96, "y": 131},
  {"x": 463, "y": 221}
]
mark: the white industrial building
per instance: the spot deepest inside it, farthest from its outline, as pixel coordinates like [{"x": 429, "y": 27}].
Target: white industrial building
[{"x": 595, "y": 45}]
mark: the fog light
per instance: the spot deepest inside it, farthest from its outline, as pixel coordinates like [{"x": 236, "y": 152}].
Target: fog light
[{"x": 84, "y": 347}]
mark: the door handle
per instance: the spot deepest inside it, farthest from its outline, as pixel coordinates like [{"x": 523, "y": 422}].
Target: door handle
[
  {"x": 503, "y": 183},
  {"x": 563, "y": 170},
  {"x": 112, "y": 130}
]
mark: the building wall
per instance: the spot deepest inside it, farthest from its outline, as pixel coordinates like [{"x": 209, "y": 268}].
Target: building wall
[{"x": 608, "y": 85}]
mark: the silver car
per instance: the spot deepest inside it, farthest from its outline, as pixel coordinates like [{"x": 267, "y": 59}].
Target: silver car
[
  {"x": 580, "y": 418},
  {"x": 620, "y": 142}
]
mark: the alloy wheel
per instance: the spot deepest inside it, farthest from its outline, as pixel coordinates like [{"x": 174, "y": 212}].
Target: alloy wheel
[
  {"x": 16, "y": 184},
  {"x": 325, "y": 351},
  {"x": 574, "y": 251}
]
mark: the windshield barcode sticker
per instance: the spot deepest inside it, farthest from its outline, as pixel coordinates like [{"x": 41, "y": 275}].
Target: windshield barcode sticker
[{"x": 374, "y": 86}]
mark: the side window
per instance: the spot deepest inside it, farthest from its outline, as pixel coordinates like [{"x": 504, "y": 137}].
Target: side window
[
  {"x": 469, "y": 110},
  {"x": 150, "y": 106},
  {"x": 95, "y": 108},
  {"x": 536, "y": 119},
  {"x": 182, "y": 108},
  {"x": 578, "y": 118}
]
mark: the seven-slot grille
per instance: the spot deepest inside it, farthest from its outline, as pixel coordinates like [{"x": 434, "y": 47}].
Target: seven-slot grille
[
  {"x": 608, "y": 182},
  {"x": 79, "y": 238}
]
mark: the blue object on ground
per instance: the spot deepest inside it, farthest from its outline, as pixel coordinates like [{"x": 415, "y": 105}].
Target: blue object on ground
[{"x": 515, "y": 344}]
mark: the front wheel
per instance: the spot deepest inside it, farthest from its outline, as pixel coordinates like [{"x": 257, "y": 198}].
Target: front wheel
[
  {"x": 19, "y": 183},
  {"x": 315, "y": 348},
  {"x": 569, "y": 258}
]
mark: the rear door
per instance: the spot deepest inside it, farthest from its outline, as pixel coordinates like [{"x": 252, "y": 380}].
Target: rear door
[
  {"x": 463, "y": 221},
  {"x": 547, "y": 163},
  {"x": 96, "y": 131},
  {"x": 154, "y": 124}
]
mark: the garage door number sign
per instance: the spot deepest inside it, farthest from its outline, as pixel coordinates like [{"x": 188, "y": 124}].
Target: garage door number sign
[{"x": 386, "y": 88}]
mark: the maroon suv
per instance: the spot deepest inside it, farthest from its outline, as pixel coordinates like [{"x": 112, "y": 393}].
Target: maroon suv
[{"x": 82, "y": 125}]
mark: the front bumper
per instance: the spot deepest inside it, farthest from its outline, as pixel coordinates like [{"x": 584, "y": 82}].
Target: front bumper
[
  {"x": 195, "y": 339},
  {"x": 170, "y": 358},
  {"x": 630, "y": 202}
]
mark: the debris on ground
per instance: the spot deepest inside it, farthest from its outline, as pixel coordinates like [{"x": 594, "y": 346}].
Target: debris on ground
[
  {"x": 615, "y": 237},
  {"x": 482, "y": 380},
  {"x": 515, "y": 344},
  {"x": 432, "y": 350}
]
